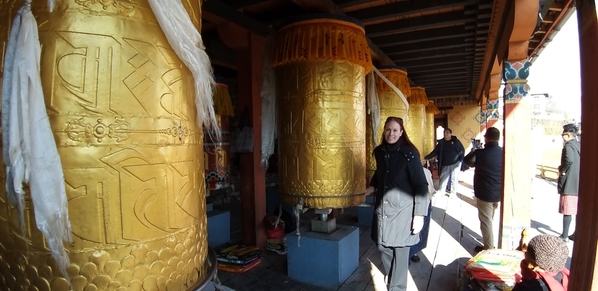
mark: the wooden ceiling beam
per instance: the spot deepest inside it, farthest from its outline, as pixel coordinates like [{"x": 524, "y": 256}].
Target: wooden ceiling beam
[
  {"x": 419, "y": 23},
  {"x": 404, "y": 8},
  {"x": 438, "y": 69},
  {"x": 433, "y": 52},
  {"x": 425, "y": 35},
  {"x": 447, "y": 61},
  {"x": 435, "y": 45},
  {"x": 321, "y": 6},
  {"x": 463, "y": 82},
  {"x": 218, "y": 9},
  {"x": 350, "y": 3},
  {"x": 430, "y": 58},
  {"x": 446, "y": 75}
]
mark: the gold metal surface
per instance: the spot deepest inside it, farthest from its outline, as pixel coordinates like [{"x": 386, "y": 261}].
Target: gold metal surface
[
  {"x": 430, "y": 135},
  {"x": 216, "y": 153},
  {"x": 397, "y": 77},
  {"x": 415, "y": 126},
  {"x": 390, "y": 105},
  {"x": 121, "y": 107},
  {"x": 321, "y": 133}
]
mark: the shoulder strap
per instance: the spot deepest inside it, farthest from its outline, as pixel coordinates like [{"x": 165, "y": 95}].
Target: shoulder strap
[{"x": 553, "y": 284}]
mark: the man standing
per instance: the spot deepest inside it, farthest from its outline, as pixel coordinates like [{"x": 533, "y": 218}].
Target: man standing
[
  {"x": 449, "y": 152},
  {"x": 487, "y": 183},
  {"x": 568, "y": 182}
]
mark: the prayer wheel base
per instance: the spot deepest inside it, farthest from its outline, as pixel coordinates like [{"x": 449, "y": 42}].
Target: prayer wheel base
[
  {"x": 208, "y": 271},
  {"x": 327, "y": 226}
]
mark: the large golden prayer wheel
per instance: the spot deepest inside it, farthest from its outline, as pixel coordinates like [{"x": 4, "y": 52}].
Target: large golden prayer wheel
[
  {"x": 121, "y": 107},
  {"x": 415, "y": 126},
  {"x": 391, "y": 104},
  {"x": 320, "y": 68},
  {"x": 217, "y": 147},
  {"x": 430, "y": 135}
]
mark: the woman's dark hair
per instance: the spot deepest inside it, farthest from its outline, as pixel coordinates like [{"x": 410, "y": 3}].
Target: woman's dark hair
[
  {"x": 404, "y": 139},
  {"x": 571, "y": 128}
]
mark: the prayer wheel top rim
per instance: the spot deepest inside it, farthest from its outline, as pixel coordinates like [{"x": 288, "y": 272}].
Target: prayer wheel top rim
[{"x": 392, "y": 68}]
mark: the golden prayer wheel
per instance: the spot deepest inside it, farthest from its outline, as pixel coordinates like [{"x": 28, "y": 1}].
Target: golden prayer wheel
[
  {"x": 217, "y": 148},
  {"x": 121, "y": 107},
  {"x": 320, "y": 68},
  {"x": 430, "y": 135},
  {"x": 415, "y": 126},
  {"x": 391, "y": 104},
  {"x": 217, "y": 156}
]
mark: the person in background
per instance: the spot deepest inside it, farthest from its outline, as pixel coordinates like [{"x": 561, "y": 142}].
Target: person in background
[
  {"x": 487, "y": 183},
  {"x": 423, "y": 234},
  {"x": 401, "y": 190},
  {"x": 568, "y": 181},
  {"x": 449, "y": 152},
  {"x": 545, "y": 257}
]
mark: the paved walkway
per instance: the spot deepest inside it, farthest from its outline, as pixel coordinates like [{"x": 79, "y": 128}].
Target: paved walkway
[{"x": 454, "y": 232}]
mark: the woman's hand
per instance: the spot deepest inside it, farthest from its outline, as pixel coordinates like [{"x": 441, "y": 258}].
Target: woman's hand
[
  {"x": 369, "y": 190},
  {"x": 417, "y": 224}
]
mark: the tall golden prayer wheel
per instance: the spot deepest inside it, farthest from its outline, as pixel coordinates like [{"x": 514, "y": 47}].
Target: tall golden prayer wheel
[
  {"x": 430, "y": 135},
  {"x": 217, "y": 147},
  {"x": 415, "y": 126},
  {"x": 391, "y": 104},
  {"x": 121, "y": 107},
  {"x": 320, "y": 68}
]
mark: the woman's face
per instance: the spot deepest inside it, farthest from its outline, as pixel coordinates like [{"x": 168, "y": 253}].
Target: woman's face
[{"x": 392, "y": 132}]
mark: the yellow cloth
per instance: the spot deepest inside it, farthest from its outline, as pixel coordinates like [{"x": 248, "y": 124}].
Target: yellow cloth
[{"x": 222, "y": 102}]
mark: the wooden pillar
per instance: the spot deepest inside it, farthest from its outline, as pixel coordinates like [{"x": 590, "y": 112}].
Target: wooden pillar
[
  {"x": 492, "y": 115},
  {"x": 253, "y": 177},
  {"x": 583, "y": 264},
  {"x": 517, "y": 179}
]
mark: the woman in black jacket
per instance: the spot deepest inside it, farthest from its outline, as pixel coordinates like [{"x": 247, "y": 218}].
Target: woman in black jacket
[
  {"x": 401, "y": 201},
  {"x": 568, "y": 182}
]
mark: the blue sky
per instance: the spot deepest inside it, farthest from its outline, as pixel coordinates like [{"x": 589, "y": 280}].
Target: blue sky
[{"x": 556, "y": 70}]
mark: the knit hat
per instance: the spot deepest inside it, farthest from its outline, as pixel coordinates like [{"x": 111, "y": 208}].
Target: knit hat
[{"x": 550, "y": 252}]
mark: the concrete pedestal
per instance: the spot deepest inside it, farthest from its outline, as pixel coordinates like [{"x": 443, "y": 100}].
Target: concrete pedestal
[
  {"x": 218, "y": 228},
  {"x": 323, "y": 259},
  {"x": 365, "y": 213}
]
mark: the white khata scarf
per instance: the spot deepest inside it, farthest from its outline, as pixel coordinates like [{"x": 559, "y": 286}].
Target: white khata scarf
[
  {"x": 29, "y": 148},
  {"x": 186, "y": 42}
]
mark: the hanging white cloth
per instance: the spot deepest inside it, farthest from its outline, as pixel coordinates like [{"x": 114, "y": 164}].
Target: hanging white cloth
[
  {"x": 397, "y": 91},
  {"x": 29, "y": 148},
  {"x": 373, "y": 104},
  {"x": 186, "y": 42},
  {"x": 268, "y": 94}
]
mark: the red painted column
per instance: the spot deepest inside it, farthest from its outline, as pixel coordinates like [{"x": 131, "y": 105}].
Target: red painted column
[
  {"x": 517, "y": 171},
  {"x": 518, "y": 175},
  {"x": 583, "y": 265},
  {"x": 253, "y": 178}
]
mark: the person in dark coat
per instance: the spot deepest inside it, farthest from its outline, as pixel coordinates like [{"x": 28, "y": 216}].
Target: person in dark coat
[
  {"x": 449, "y": 152},
  {"x": 568, "y": 181},
  {"x": 545, "y": 258},
  {"x": 401, "y": 203},
  {"x": 487, "y": 183}
]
